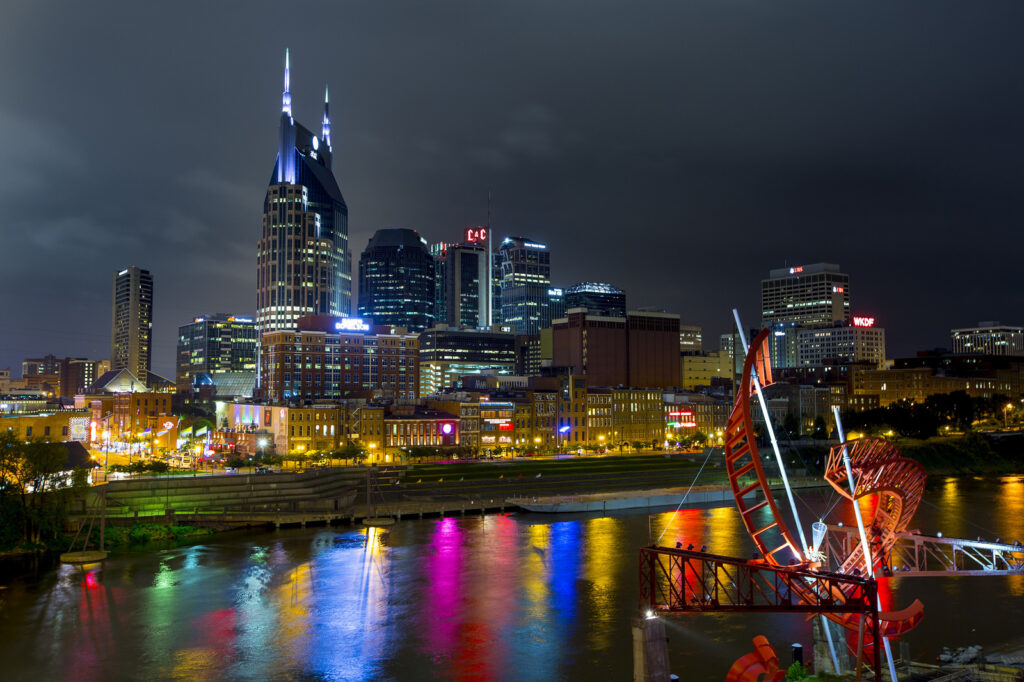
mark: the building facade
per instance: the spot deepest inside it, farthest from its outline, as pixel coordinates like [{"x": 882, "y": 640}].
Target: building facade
[
  {"x": 131, "y": 332},
  {"x": 446, "y": 353},
  {"x": 397, "y": 280},
  {"x": 215, "y": 343},
  {"x": 916, "y": 384},
  {"x": 988, "y": 338},
  {"x": 816, "y": 295},
  {"x": 329, "y": 358},
  {"x": 641, "y": 349},
  {"x": 690, "y": 339},
  {"x": 303, "y": 257},
  {"x": 63, "y": 377},
  {"x": 525, "y": 280},
  {"x": 842, "y": 345},
  {"x": 598, "y": 298},
  {"x": 462, "y": 282}
]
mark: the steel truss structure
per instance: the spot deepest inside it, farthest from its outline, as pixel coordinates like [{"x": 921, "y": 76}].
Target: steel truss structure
[
  {"x": 684, "y": 581},
  {"x": 913, "y": 554}
]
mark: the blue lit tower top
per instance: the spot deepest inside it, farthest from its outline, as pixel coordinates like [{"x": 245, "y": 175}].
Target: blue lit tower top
[
  {"x": 325, "y": 127},
  {"x": 304, "y": 260}
]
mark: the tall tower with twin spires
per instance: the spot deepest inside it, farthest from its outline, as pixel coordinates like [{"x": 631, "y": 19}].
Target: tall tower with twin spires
[{"x": 304, "y": 266}]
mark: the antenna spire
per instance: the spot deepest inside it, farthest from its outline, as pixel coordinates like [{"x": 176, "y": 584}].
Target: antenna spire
[
  {"x": 325, "y": 130},
  {"x": 286, "y": 98}
]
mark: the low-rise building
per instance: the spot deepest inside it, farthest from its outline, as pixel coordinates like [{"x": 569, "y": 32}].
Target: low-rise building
[
  {"x": 638, "y": 416},
  {"x": 331, "y": 358},
  {"x": 916, "y": 384},
  {"x": 706, "y": 369},
  {"x": 58, "y": 426}
]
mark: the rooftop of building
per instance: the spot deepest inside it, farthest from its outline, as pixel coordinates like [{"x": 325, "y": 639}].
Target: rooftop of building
[
  {"x": 809, "y": 269},
  {"x": 594, "y": 288},
  {"x": 397, "y": 237}
]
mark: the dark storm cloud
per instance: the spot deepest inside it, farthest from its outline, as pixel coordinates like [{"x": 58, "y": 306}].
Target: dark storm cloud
[{"x": 679, "y": 150}]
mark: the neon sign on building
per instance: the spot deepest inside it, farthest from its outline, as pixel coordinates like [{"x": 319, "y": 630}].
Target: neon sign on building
[
  {"x": 351, "y": 324},
  {"x": 863, "y": 321},
  {"x": 476, "y": 234}
]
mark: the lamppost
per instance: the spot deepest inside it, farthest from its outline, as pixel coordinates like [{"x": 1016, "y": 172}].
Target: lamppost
[
  {"x": 564, "y": 430},
  {"x": 1006, "y": 410},
  {"x": 262, "y": 444}
]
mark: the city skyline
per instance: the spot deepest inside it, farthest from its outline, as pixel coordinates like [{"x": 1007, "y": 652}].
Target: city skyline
[{"x": 889, "y": 166}]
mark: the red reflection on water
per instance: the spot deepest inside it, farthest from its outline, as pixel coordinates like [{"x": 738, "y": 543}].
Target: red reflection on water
[
  {"x": 217, "y": 630},
  {"x": 94, "y": 642}
]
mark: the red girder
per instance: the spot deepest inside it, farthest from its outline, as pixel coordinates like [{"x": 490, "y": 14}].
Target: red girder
[
  {"x": 762, "y": 665},
  {"x": 743, "y": 461},
  {"x": 684, "y": 581}
]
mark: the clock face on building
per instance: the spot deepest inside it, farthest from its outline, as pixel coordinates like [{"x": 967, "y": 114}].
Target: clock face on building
[{"x": 476, "y": 234}]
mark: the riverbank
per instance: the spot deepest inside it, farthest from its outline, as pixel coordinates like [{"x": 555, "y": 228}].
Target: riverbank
[
  {"x": 116, "y": 537},
  {"x": 968, "y": 455}
]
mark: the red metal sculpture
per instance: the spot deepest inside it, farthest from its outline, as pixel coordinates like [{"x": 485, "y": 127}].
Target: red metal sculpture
[
  {"x": 880, "y": 471},
  {"x": 764, "y": 661}
]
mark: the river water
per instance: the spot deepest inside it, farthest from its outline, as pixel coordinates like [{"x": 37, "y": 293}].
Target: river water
[{"x": 516, "y": 597}]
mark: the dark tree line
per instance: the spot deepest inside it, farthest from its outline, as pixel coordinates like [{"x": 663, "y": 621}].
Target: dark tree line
[
  {"x": 35, "y": 491},
  {"x": 958, "y": 411}
]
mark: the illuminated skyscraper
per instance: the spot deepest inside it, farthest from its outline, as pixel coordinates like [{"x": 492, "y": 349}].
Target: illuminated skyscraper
[
  {"x": 525, "y": 280},
  {"x": 816, "y": 295},
  {"x": 131, "y": 329},
  {"x": 396, "y": 280},
  {"x": 600, "y": 299},
  {"x": 215, "y": 343},
  {"x": 304, "y": 263}
]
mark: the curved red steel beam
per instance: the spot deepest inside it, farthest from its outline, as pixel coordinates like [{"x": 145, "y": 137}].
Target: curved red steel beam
[
  {"x": 897, "y": 484},
  {"x": 760, "y": 666},
  {"x": 882, "y": 473},
  {"x": 743, "y": 462}
]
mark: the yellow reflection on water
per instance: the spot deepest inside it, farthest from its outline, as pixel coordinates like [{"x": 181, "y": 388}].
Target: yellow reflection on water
[
  {"x": 194, "y": 664},
  {"x": 603, "y": 540},
  {"x": 535, "y": 569},
  {"x": 292, "y": 602}
]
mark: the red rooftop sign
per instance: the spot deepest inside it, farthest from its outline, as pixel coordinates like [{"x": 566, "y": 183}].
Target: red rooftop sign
[{"x": 863, "y": 321}]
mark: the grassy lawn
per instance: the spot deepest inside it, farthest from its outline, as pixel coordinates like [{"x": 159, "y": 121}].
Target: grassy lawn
[{"x": 551, "y": 467}]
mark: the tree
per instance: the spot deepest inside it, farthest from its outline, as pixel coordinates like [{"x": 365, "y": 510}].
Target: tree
[
  {"x": 792, "y": 425},
  {"x": 35, "y": 489},
  {"x": 820, "y": 429}
]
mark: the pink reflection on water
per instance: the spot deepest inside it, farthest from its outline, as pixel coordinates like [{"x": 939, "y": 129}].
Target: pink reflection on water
[
  {"x": 93, "y": 640},
  {"x": 444, "y": 580}
]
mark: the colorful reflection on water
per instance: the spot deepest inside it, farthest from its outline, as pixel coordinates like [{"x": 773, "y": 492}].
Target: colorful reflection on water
[{"x": 524, "y": 597}]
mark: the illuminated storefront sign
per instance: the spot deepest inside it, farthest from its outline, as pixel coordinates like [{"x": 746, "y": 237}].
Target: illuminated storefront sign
[
  {"x": 863, "y": 321},
  {"x": 351, "y": 324}
]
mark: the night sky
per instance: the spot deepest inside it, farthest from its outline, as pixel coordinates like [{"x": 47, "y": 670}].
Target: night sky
[{"x": 676, "y": 149}]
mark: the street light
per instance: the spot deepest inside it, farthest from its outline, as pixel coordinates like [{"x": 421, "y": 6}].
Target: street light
[
  {"x": 1006, "y": 410},
  {"x": 262, "y": 443},
  {"x": 565, "y": 430}
]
